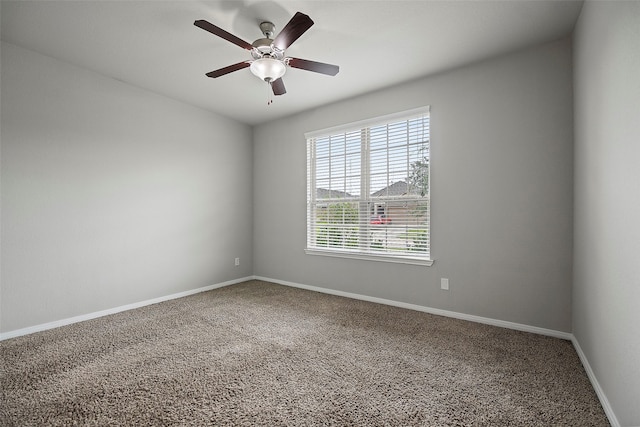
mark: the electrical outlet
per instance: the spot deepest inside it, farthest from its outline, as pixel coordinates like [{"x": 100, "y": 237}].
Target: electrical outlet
[
  {"x": 444, "y": 284},
  {"x": 237, "y": 262}
]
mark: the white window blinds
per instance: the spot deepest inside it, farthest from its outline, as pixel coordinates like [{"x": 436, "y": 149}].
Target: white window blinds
[{"x": 368, "y": 189}]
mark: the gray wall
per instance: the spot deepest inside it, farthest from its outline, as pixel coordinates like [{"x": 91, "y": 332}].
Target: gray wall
[
  {"x": 502, "y": 170},
  {"x": 606, "y": 294},
  {"x": 112, "y": 195}
]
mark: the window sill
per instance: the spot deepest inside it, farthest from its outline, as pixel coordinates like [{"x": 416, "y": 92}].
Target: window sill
[{"x": 370, "y": 257}]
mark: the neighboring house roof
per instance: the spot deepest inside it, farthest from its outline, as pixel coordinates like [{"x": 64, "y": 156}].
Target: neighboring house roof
[
  {"x": 323, "y": 193},
  {"x": 396, "y": 189}
]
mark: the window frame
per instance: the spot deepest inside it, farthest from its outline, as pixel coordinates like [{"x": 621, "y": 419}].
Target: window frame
[{"x": 363, "y": 127}]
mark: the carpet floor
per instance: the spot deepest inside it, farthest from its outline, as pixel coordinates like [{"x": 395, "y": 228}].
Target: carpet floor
[{"x": 262, "y": 354}]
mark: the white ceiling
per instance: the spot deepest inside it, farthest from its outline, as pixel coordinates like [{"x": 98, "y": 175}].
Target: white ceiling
[{"x": 154, "y": 44}]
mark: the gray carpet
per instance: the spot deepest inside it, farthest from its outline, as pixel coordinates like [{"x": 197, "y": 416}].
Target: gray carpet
[{"x": 263, "y": 354}]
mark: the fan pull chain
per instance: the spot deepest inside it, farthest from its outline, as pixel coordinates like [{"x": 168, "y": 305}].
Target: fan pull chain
[{"x": 269, "y": 92}]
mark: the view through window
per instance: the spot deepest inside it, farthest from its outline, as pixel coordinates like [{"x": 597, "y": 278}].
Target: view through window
[{"x": 368, "y": 189}]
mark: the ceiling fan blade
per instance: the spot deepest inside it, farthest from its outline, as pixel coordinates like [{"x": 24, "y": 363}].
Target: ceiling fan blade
[
  {"x": 229, "y": 69},
  {"x": 292, "y": 31},
  {"x": 208, "y": 26},
  {"x": 316, "y": 67},
  {"x": 278, "y": 87}
]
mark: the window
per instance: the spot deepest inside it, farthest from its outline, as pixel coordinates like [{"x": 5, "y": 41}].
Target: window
[{"x": 368, "y": 189}]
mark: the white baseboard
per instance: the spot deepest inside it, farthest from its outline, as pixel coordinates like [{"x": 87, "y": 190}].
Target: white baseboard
[
  {"x": 89, "y": 316},
  {"x": 436, "y": 311},
  {"x": 478, "y": 319},
  {"x": 613, "y": 420}
]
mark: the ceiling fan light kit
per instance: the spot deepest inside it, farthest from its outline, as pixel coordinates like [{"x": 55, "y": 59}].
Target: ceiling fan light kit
[
  {"x": 268, "y": 69},
  {"x": 269, "y": 61}
]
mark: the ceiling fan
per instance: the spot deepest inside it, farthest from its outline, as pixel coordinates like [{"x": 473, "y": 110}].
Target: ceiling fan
[{"x": 269, "y": 61}]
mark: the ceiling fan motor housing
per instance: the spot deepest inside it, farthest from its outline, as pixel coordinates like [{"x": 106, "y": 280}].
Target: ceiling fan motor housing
[{"x": 263, "y": 48}]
